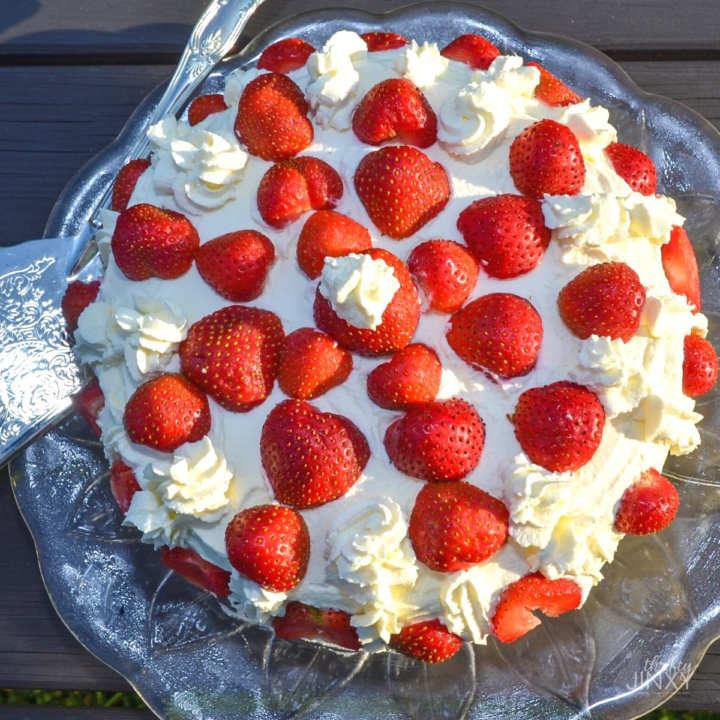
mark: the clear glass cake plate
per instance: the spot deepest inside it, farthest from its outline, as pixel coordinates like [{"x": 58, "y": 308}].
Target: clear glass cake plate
[{"x": 635, "y": 643}]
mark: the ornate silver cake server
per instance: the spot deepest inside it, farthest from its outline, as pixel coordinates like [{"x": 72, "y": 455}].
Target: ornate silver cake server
[{"x": 38, "y": 372}]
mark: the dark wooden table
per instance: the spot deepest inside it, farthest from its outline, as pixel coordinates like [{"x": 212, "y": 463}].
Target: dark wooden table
[{"x": 71, "y": 72}]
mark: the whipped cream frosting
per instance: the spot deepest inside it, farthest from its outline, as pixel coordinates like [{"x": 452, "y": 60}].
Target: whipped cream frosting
[{"x": 422, "y": 64}]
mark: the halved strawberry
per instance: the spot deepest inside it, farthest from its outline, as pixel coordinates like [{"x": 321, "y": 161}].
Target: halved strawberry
[
  {"x": 123, "y": 484},
  {"x": 446, "y": 273},
  {"x": 76, "y": 298},
  {"x": 648, "y": 506},
  {"x": 513, "y": 616},
  {"x": 200, "y": 572},
  {"x": 310, "y": 457},
  {"x": 559, "y": 426},
  {"x": 204, "y": 106},
  {"x": 125, "y": 183},
  {"x": 410, "y": 377},
  {"x": 167, "y": 412},
  {"x": 272, "y": 118},
  {"x": 700, "y": 366},
  {"x": 233, "y": 355},
  {"x": 379, "y": 41},
  {"x": 634, "y": 167},
  {"x": 312, "y": 363},
  {"x": 286, "y": 55},
  {"x": 605, "y": 299},
  {"x": 269, "y": 544},
  {"x": 428, "y": 640},
  {"x": 681, "y": 268},
  {"x": 546, "y": 159},
  {"x": 236, "y": 264},
  {"x": 455, "y": 525},
  {"x": 473, "y": 50},
  {"x": 553, "y": 91},
  {"x": 89, "y": 401},
  {"x": 401, "y": 189},
  {"x": 305, "y": 622}
]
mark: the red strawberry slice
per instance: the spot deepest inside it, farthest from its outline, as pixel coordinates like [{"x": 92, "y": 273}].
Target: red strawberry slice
[
  {"x": 380, "y": 41},
  {"x": 269, "y": 544},
  {"x": 681, "y": 268},
  {"x": 446, "y": 273},
  {"x": 198, "y": 571},
  {"x": 700, "y": 366},
  {"x": 125, "y": 183},
  {"x": 236, "y": 265},
  {"x": 310, "y": 457},
  {"x": 76, "y": 298},
  {"x": 286, "y": 55},
  {"x": 513, "y": 616},
  {"x": 272, "y": 118},
  {"x": 312, "y": 363},
  {"x": 553, "y": 91},
  {"x": 395, "y": 108},
  {"x": 437, "y": 441},
  {"x": 204, "y": 106},
  {"x": 398, "y": 321},
  {"x": 305, "y": 622},
  {"x": 89, "y": 401},
  {"x": 455, "y": 525},
  {"x": 473, "y": 50},
  {"x": 151, "y": 242},
  {"x": 606, "y": 299},
  {"x": 634, "y": 167},
  {"x": 499, "y": 334},
  {"x": 648, "y": 506},
  {"x": 167, "y": 412},
  {"x": 293, "y": 187},
  {"x": 559, "y": 426},
  {"x": 123, "y": 484},
  {"x": 233, "y": 354},
  {"x": 506, "y": 234},
  {"x": 410, "y": 377},
  {"x": 429, "y": 641},
  {"x": 401, "y": 189},
  {"x": 329, "y": 234},
  {"x": 546, "y": 159}
]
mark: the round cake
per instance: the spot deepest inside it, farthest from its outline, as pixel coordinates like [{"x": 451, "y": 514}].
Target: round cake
[{"x": 393, "y": 343}]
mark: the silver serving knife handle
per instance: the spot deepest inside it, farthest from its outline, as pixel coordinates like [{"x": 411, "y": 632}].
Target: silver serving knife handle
[{"x": 38, "y": 372}]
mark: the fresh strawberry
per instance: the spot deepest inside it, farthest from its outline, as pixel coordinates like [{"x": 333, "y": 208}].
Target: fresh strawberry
[
  {"x": 311, "y": 363},
  {"x": 700, "y": 366},
  {"x": 559, "y": 426},
  {"x": 455, "y": 525},
  {"x": 123, "y": 484},
  {"x": 76, "y": 298},
  {"x": 125, "y": 183},
  {"x": 233, "y": 354},
  {"x": 290, "y": 188},
  {"x": 605, "y": 299},
  {"x": 305, "y": 622},
  {"x": 401, "y": 189},
  {"x": 437, "y": 441},
  {"x": 395, "y": 108},
  {"x": 199, "y": 572},
  {"x": 546, "y": 159},
  {"x": 473, "y": 50},
  {"x": 398, "y": 321},
  {"x": 379, "y": 41},
  {"x": 329, "y": 234},
  {"x": 310, "y": 457},
  {"x": 552, "y": 91},
  {"x": 429, "y": 641},
  {"x": 89, "y": 401},
  {"x": 634, "y": 167},
  {"x": 446, "y": 273},
  {"x": 204, "y": 106},
  {"x": 410, "y": 377},
  {"x": 681, "y": 268},
  {"x": 648, "y": 506},
  {"x": 236, "y": 265},
  {"x": 506, "y": 234},
  {"x": 499, "y": 334},
  {"x": 269, "y": 544},
  {"x": 272, "y": 118},
  {"x": 286, "y": 55},
  {"x": 167, "y": 412},
  {"x": 151, "y": 242},
  {"x": 513, "y": 616}
]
